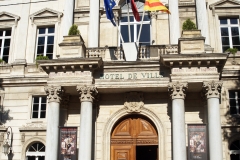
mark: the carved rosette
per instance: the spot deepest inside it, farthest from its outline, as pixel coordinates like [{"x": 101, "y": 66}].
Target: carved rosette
[
  {"x": 153, "y": 14},
  {"x": 212, "y": 89},
  {"x": 87, "y": 93},
  {"x": 134, "y": 102},
  {"x": 177, "y": 90},
  {"x": 54, "y": 93}
]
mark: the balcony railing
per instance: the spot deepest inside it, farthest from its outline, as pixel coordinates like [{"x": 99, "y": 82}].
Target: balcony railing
[{"x": 144, "y": 52}]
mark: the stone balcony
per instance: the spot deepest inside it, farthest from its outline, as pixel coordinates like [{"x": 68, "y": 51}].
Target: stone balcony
[{"x": 144, "y": 52}]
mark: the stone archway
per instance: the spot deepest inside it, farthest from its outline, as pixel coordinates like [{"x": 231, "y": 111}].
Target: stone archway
[
  {"x": 124, "y": 112},
  {"x": 134, "y": 137}
]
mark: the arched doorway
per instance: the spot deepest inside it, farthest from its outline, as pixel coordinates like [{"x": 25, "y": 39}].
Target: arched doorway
[{"x": 134, "y": 138}]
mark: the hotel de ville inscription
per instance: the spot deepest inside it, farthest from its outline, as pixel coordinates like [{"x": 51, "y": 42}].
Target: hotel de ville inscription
[{"x": 131, "y": 75}]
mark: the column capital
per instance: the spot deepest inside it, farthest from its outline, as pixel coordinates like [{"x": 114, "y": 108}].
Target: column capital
[
  {"x": 177, "y": 90},
  {"x": 54, "y": 93},
  {"x": 212, "y": 89},
  {"x": 87, "y": 93}
]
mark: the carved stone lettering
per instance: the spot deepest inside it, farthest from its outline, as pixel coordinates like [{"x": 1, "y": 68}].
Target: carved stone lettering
[
  {"x": 134, "y": 102},
  {"x": 212, "y": 89},
  {"x": 54, "y": 93},
  {"x": 87, "y": 93},
  {"x": 177, "y": 90}
]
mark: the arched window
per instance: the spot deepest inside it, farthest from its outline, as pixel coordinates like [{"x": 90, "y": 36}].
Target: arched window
[
  {"x": 36, "y": 151},
  {"x": 145, "y": 37},
  {"x": 235, "y": 150}
]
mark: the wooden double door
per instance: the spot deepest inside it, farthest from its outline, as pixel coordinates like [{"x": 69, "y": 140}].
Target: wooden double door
[{"x": 134, "y": 138}]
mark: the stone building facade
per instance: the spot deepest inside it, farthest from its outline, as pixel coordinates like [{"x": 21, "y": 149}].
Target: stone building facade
[{"x": 121, "y": 109}]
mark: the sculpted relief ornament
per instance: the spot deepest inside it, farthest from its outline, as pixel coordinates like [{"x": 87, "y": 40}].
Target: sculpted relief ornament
[
  {"x": 177, "y": 90},
  {"x": 54, "y": 93},
  {"x": 134, "y": 102},
  {"x": 87, "y": 93},
  {"x": 212, "y": 89}
]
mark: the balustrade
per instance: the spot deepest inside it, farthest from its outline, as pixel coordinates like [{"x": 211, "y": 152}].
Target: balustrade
[{"x": 144, "y": 52}]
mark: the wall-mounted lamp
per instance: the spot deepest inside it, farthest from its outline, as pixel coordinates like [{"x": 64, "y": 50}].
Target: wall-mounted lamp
[{"x": 7, "y": 147}]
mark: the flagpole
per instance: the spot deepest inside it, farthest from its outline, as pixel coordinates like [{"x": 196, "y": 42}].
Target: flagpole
[
  {"x": 140, "y": 30},
  {"x": 118, "y": 29},
  {"x": 129, "y": 30}
]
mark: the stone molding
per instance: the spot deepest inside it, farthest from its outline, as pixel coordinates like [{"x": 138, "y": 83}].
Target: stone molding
[
  {"x": 54, "y": 93},
  {"x": 87, "y": 93},
  {"x": 134, "y": 102},
  {"x": 212, "y": 89},
  {"x": 33, "y": 127},
  {"x": 46, "y": 13},
  {"x": 8, "y": 19},
  {"x": 177, "y": 89}
]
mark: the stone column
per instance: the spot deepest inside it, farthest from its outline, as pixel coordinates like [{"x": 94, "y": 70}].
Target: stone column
[
  {"x": 54, "y": 97},
  {"x": 202, "y": 19},
  {"x": 177, "y": 92},
  {"x": 212, "y": 92},
  {"x": 87, "y": 94},
  {"x": 68, "y": 16},
  {"x": 93, "y": 29},
  {"x": 174, "y": 21}
]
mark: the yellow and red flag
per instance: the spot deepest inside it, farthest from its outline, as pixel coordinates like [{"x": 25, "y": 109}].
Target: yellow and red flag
[{"x": 155, "y": 5}]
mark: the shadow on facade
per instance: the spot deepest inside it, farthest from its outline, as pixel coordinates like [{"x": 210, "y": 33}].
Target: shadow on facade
[
  {"x": 4, "y": 114},
  {"x": 231, "y": 127}
]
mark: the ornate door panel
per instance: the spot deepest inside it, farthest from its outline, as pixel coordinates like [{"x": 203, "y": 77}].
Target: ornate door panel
[
  {"x": 128, "y": 134},
  {"x": 122, "y": 153}
]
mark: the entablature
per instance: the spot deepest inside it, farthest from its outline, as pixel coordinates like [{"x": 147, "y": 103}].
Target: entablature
[
  {"x": 70, "y": 64},
  {"x": 195, "y": 60}
]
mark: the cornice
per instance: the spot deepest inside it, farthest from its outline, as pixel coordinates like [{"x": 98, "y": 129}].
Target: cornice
[{"x": 71, "y": 64}]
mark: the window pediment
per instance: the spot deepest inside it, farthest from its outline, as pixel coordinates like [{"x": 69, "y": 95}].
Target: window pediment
[
  {"x": 225, "y": 3},
  {"x": 46, "y": 13},
  {"x": 8, "y": 19}
]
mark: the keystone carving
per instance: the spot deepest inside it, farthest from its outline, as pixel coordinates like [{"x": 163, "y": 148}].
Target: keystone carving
[
  {"x": 134, "y": 102},
  {"x": 54, "y": 93},
  {"x": 87, "y": 93},
  {"x": 212, "y": 89},
  {"x": 177, "y": 90}
]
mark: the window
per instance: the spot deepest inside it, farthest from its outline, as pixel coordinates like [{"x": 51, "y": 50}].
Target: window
[
  {"x": 234, "y": 100},
  {"x": 36, "y": 152},
  {"x": 45, "y": 42},
  {"x": 39, "y": 107},
  {"x": 229, "y": 28},
  {"x": 5, "y": 40},
  {"x": 135, "y": 25},
  {"x": 235, "y": 150}
]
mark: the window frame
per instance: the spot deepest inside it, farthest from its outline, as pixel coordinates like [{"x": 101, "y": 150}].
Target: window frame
[
  {"x": 37, "y": 153},
  {"x": 234, "y": 152},
  {"x": 135, "y": 23},
  {"x": 3, "y": 38},
  {"x": 45, "y": 40},
  {"x": 39, "y": 108},
  {"x": 237, "y": 107},
  {"x": 229, "y": 26}
]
